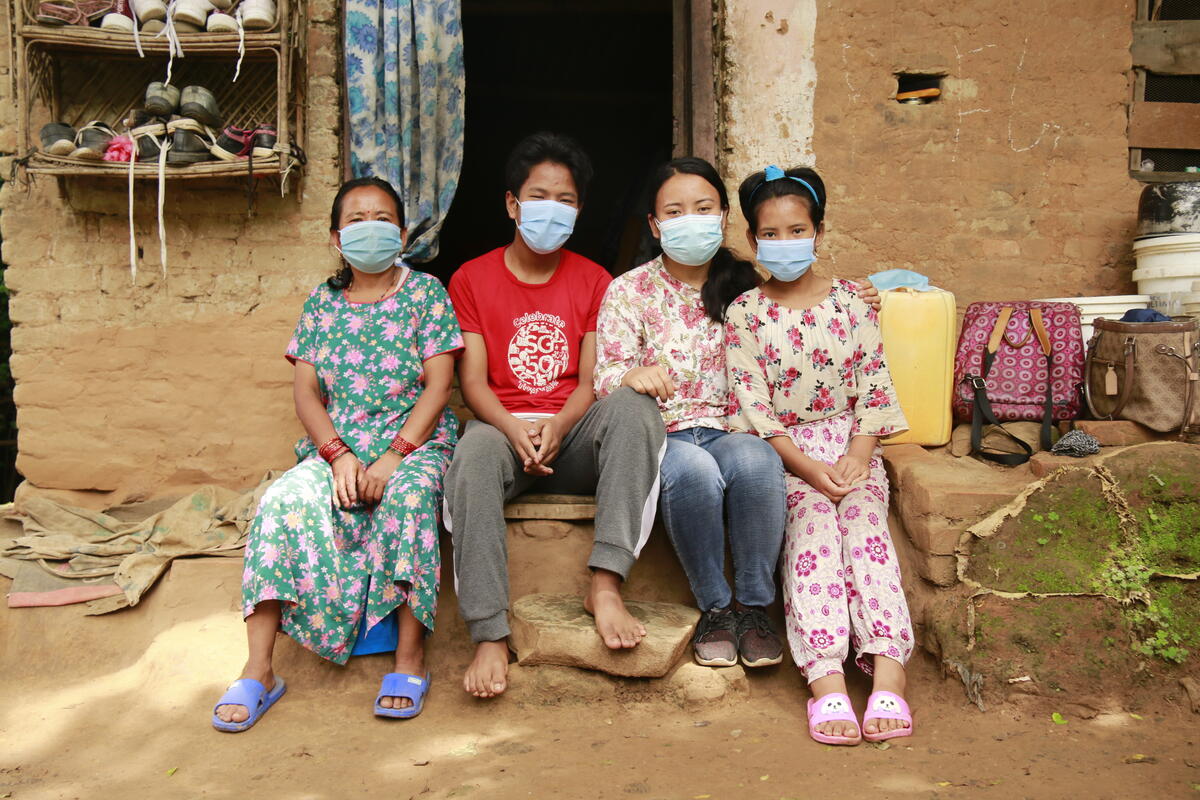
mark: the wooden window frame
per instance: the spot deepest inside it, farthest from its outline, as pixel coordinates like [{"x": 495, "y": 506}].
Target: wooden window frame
[
  {"x": 694, "y": 96},
  {"x": 1165, "y": 48}
]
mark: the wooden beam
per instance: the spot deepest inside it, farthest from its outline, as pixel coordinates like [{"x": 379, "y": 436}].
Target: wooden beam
[
  {"x": 1168, "y": 48},
  {"x": 704, "y": 83},
  {"x": 1165, "y": 126}
]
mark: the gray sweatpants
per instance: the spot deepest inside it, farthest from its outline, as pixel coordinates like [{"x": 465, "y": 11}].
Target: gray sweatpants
[{"x": 613, "y": 451}]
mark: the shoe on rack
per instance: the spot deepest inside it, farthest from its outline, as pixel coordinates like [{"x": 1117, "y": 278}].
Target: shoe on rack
[
  {"x": 193, "y": 12},
  {"x": 187, "y": 27},
  {"x": 153, "y": 25},
  {"x": 258, "y": 15},
  {"x": 220, "y": 22},
  {"x": 715, "y": 643},
  {"x": 120, "y": 19},
  {"x": 92, "y": 140},
  {"x": 757, "y": 643},
  {"x": 234, "y": 143},
  {"x": 147, "y": 132},
  {"x": 191, "y": 142},
  {"x": 58, "y": 139},
  {"x": 263, "y": 145},
  {"x": 162, "y": 99},
  {"x": 200, "y": 104},
  {"x": 60, "y": 12},
  {"x": 147, "y": 10}
]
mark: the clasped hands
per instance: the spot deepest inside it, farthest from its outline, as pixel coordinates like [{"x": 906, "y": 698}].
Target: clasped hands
[
  {"x": 355, "y": 484},
  {"x": 836, "y": 481}
]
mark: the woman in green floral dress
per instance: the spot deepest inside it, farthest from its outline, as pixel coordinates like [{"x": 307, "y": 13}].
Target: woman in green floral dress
[{"x": 352, "y": 529}]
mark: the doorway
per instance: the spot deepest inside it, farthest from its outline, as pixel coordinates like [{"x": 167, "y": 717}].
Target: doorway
[{"x": 601, "y": 71}]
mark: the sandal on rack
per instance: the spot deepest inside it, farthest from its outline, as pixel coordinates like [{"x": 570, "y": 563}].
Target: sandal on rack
[
  {"x": 92, "y": 140},
  {"x": 58, "y": 139},
  {"x": 60, "y": 12},
  {"x": 200, "y": 104}
]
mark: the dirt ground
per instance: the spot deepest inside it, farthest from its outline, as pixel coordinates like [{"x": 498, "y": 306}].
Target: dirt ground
[{"x": 118, "y": 706}]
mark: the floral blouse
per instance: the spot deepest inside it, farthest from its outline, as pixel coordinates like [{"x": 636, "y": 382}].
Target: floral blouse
[
  {"x": 788, "y": 366},
  {"x": 649, "y": 317}
]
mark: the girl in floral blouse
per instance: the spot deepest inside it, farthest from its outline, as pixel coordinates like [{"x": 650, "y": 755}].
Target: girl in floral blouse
[
  {"x": 660, "y": 331},
  {"x": 806, "y": 363}
]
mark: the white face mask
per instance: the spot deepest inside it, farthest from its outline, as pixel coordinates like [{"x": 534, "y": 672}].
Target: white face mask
[
  {"x": 786, "y": 259},
  {"x": 546, "y": 224},
  {"x": 692, "y": 239}
]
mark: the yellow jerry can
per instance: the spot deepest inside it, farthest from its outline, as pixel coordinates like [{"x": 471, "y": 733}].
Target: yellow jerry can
[{"x": 920, "y": 333}]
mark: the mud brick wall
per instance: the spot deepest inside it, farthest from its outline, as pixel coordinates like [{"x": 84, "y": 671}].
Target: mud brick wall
[
  {"x": 1014, "y": 184},
  {"x": 176, "y": 379}
]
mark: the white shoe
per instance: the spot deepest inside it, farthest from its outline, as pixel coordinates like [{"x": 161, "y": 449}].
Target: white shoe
[
  {"x": 258, "y": 15},
  {"x": 146, "y": 10},
  {"x": 193, "y": 12},
  {"x": 117, "y": 22},
  {"x": 219, "y": 22}
]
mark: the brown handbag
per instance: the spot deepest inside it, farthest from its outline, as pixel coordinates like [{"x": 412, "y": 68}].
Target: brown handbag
[{"x": 1145, "y": 372}]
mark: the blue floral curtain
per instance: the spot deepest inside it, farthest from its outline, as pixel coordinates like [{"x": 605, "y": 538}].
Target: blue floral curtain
[{"x": 404, "y": 79}]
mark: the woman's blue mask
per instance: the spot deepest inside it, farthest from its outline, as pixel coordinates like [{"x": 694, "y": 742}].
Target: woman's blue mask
[
  {"x": 371, "y": 246},
  {"x": 691, "y": 240},
  {"x": 786, "y": 259},
  {"x": 546, "y": 224}
]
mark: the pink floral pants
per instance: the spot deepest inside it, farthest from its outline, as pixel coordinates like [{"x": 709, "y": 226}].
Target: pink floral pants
[{"x": 841, "y": 579}]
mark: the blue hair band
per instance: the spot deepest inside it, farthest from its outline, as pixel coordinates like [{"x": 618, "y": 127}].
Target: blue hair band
[{"x": 774, "y": 173}]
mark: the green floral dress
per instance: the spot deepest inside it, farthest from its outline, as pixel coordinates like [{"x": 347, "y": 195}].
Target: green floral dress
[{"x": 330, "y": 565}]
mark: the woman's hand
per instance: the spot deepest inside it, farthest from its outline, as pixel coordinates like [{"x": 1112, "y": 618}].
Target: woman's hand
[
  {"x": 869, "y": 294},
  {"x": 826, "y": 480},
  {"x": 373, "y": 481},
  {"x": 346, "y": 468},
  {"x": 850, "y": 469},
  {"x": 652, "y": 380}
]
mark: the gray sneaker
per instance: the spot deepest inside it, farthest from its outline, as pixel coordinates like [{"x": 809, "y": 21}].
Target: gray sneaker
[
  {"x": 757, "y": 641},
  {"x": 715, "y": 642}
]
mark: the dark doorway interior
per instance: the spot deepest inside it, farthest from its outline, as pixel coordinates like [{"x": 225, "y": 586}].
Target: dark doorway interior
[{"x": 598, "y": 70}]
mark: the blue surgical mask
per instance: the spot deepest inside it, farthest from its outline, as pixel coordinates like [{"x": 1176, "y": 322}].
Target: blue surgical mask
[
  {"x": 691, "y": 240},
  {"x": 786, "y": 259},
  {"x": 371, "y": 246},
  {"x": 546, "y": 224}
]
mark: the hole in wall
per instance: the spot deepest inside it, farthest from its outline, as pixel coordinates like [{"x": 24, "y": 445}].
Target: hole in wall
[{"x": 915, "y": 87}]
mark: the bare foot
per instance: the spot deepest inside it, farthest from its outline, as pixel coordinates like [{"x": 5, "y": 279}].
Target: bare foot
[
  {"x": 487, "y": 676},
  {"x": 833, "y": 684},
  {"x": 264, "y": 675},
  {"x": 407, "y": 664},
  {"x": 616, "y": 626},
  {"x": 889, "y": 677}
]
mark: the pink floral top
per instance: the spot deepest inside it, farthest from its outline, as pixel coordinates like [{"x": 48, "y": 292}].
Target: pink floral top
[
  {"x": 788, "y": 366},
  {"x": 649, "y": 317}
]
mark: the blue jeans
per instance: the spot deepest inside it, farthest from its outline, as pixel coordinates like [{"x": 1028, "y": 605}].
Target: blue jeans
[{"x": 712, "y": 480}]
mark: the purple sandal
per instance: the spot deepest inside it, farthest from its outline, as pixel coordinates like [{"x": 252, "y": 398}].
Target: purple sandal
[{"x": 887, "y": 705}]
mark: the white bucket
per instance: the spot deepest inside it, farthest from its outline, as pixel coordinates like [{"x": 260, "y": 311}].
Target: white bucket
[
  {"x": 1167, "y": 264},
  {"x": 1110, "y": 306}
]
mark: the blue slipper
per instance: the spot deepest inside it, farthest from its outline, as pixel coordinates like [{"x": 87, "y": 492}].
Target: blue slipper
[
  {"x": 398, "y": 684},
  {"x": 251, "y": 694}
]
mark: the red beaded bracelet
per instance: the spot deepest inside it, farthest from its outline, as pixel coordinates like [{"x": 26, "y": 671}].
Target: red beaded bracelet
[{"x": 401, "y": 446}]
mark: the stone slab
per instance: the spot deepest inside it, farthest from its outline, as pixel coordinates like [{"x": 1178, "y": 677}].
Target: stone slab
[
  {"x": 555, "y": 629},
  {"x": 938, "y": 570}
]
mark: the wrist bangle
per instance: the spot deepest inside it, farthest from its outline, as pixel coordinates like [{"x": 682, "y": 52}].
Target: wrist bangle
[
  {"x": 401, "y": 446},
  {"x": 332, "y": 449}
]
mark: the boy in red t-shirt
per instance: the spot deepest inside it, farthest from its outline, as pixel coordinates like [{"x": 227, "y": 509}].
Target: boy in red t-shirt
[{"x": 528, "y": 315}]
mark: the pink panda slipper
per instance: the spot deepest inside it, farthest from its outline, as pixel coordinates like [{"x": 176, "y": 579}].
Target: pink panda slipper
[
  {"x": 834, "y": 707},
  {"x": 886, "y": 705}
]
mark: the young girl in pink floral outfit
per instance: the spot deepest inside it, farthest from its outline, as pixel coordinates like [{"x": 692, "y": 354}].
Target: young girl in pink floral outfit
[{"x": 806, "y": 364}]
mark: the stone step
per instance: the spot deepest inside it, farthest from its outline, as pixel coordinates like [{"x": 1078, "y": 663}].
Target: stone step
[{"x": 555, "y": 629}]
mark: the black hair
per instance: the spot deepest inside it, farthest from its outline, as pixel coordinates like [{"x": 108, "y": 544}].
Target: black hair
[
  {"x": 556, "y": 148},
  {"x": 342, "y": 278},
  {"x": 756, "y": 190},
  {"x": 728, "y": 276}
]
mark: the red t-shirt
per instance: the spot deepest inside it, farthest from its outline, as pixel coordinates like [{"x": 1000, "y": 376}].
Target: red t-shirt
[{"x": 533, "y": 331}]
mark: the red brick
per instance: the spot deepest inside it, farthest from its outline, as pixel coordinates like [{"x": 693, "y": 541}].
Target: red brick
[{"x": 1118, "y": 432}]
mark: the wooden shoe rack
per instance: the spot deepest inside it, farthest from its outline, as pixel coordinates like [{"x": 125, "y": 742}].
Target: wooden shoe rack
[{"x": 77, "y": 74}]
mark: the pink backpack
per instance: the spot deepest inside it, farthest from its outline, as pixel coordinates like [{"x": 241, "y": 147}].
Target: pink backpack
[{"x": 1020, "y": 360}]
